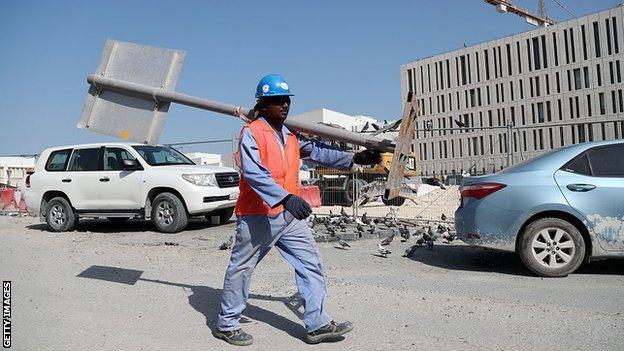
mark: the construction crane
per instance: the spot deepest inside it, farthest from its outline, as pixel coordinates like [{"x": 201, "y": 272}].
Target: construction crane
[{"x": 539, "y": 20}]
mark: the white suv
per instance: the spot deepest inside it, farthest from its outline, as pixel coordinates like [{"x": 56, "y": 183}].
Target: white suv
[{"x": 121, "y": 181}]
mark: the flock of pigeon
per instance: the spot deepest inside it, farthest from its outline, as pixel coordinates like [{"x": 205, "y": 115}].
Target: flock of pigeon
[
  {"x": 386, "y": 228},
  {"x": 338, "y": 226}
]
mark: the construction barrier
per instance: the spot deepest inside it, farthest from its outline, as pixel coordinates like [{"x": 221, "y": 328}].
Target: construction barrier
[
  {"x": 11, "y": 201},
  {"x": 312, "y": 194}
]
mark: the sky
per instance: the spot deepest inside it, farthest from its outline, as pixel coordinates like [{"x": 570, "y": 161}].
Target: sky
[{"x": 341, "y": 55}]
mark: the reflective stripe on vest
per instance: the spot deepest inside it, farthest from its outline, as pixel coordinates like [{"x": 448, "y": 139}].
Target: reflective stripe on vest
[{"x": 282, "y": 163}]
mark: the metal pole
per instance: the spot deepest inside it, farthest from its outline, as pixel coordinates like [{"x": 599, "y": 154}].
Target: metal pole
[
  {"x": 157, "y": 94},
  {"x": 509, "y": 151}
]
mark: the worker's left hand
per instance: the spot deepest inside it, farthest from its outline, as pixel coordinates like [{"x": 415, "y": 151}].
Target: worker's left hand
[{"x": 367, "y": 157}]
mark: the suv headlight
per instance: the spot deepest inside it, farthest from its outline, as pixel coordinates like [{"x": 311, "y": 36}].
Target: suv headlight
[{"x": 207, "y": 179}]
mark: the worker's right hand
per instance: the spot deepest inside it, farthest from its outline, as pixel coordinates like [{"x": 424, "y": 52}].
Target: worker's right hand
[{"x": 297, "y": 206}]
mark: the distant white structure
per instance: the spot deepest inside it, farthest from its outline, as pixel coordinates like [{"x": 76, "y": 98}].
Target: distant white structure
[
  {"x": 326, "y": 116},
  {"x": 13, "y": 170},
  {"x": 206, "y": 159}
]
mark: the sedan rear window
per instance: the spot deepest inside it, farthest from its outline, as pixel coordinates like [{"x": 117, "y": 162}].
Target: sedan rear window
[
  {"x": 579, "y": 165},
  {"x": 607, "y": 161}
]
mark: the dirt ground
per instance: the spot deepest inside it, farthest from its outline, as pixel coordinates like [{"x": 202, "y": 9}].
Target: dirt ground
[{"x": 125, "y": 287}]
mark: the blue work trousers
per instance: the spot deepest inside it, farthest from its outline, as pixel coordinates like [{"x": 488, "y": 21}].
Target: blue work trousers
[{"x": 255, "y": 236}]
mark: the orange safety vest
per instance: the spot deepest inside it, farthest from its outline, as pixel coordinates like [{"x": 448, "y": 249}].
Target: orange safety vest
[{"x": 283, "y": 164}]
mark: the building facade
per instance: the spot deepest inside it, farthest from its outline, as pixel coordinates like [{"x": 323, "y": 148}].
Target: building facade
[{"x": 557, "y": 85}]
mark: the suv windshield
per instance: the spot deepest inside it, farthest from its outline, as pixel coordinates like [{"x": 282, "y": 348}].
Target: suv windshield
[{"x": 162, "y": 155}]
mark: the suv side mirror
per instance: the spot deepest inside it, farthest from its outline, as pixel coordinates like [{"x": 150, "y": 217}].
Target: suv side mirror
[{"x": 129, "y": 165}]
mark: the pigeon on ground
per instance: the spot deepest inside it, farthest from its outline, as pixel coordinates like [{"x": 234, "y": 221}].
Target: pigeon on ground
[
  {"x": 227, "y": 244},
  {"x": 365, "y": 219},
  {"x": 375, "y": 126},
  {"x": 343, "y": 243},
  {"x": 410, "y": 251},
  {"x": 460, "y": 124},
  {"x": 443, "y": 217},
  {"x": 360, "y": 228},
  {"x": 405, "y": 233},
  {"x": 383, "y": 251},
  {"x": 330, "y": 229},
  {"x": 388, "y": 239}
]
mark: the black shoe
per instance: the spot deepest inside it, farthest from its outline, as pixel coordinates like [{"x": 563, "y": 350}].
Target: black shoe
[
  {"x": 329, "y": 331},
  {"x": 235, "y": 337}
]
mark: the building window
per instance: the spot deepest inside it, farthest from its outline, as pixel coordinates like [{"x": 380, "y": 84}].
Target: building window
[
  {"x": 590, "y": 132},
  {"x": 569, "y": 81},
  {"x": 544, "y": 56},
  {"x": 560, "y": 110},
  {"x": 487, "y": 65},
  {"x": 540, "y": 112},
  {"x": 500, "y": 62},
  {"x": 565, "y": 40},
  {"x": 573, "y": 134},
  {"x": 603, "y": 131},
  {"x": 589, "y": 106},
  {"x": 581, "y": 133},
  {"x": 478, "y": 68},
  {"x": 524, "y": 140},
  {"x": 550, "y": 138},
  {"x": 584, "y": 42},
  {"x": 572, "y": 45},
  {"x": 448, "y": 73},
  {"x": 422, "y": 81},
  {"x": 487, "y": 93},
  {"x": 615, "y": 36},
  {"x": 523, "y": 115},
  {"x": 536, "y": 54},
  {"x": 558, "y": 82},
  {"x": 576, "y": 103},
  {"x": 608, "y": 29},
  {"x": 561, "y": 140},
  {"x": 479, "y": 97},
  {"x": 495, "y": 63},
  {"x": 597, "y": 39},
  {"x": 599, "y": 75},
  {"x": 618, "y": 71},
  {"x": 534, "y": 139},
  {"x": 511, "y": 88},
  {"x": 508, "y": 47},
  {"x": 613, "y": 101},
  {"x": 586, "y": 76},
  {"x": 462, "y": 60},
  {"x": 611, "y": 75},
  {"x": 531, "y": 86},
  {"x": 521, "y": 90},
  {"x": 620, "y": 100},
  {"x": 541, "y": 139},
  {"x": 528, "y": 46},
  {"x": 537, "y": 86},
  {"x": 518, "y": 56},
  {"x": 554, "y": 35},
  {"x": 490, "y": 122},
  {"x": 578, "y": 84},
  {"x": 473, "y": 98},
  {"x": 548, "y": 112},
  {"x": 429, "y": 76},
  {"x": 601, "y": 102},
  {"x": 547, "y": 80},
  {"x": 571, "y": 105},
  {"x": 469, "y": 72}
]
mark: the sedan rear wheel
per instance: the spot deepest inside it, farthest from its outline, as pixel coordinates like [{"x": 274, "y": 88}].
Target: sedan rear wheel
[{"x": 552, "y": 247}]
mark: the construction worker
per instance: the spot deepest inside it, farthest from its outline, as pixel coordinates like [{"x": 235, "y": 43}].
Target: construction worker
[{"x": 270, "y": 212}]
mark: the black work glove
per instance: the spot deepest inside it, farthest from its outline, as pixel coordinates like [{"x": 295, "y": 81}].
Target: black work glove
[
  {"x": 297, "y": 206},
  {"x": 367, "y": 157}
]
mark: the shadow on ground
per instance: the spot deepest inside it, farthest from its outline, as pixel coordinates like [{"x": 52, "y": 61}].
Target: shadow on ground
[
  {"x": 131, "y": 226},
  {"x": 206, "y": 300},
  {"x": 480, "y": 259}
]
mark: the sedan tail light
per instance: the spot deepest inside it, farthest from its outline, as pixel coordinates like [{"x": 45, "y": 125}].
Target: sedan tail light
[{"x": 480, "y": 190}]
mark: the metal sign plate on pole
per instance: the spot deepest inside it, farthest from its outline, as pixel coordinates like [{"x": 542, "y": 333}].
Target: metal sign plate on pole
[{"x": 121, "y": 114}]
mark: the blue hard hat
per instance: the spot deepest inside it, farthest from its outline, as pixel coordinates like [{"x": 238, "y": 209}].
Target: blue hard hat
[{"x": 273, "y": 85}]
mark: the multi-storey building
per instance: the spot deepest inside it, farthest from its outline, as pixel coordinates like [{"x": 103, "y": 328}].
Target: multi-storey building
[{"x": 556, "y": 85}]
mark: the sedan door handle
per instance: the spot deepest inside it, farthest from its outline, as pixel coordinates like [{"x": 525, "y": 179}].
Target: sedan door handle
[
  {"x": 581, "y": 187},
  {"x": 104, "y": 179},
  {"x": 66, "y": 180}
]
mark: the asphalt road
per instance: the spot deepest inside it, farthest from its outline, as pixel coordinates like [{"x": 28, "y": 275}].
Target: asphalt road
[{"x": 122, "y": 287}]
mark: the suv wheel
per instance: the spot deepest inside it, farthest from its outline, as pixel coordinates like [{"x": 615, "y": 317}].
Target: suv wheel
[
  {"x": 60, "y": 215},
  {"x": 552, "y": 247},
  {"x": 168, "y": 213},
  {"x": 224, "y": 215}
]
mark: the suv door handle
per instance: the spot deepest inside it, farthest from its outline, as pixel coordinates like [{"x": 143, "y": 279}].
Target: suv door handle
[
  {"x": 581, "y": 187},
  {"x": 66, "y": 180},
  {"x": 104, "y": 179}
]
